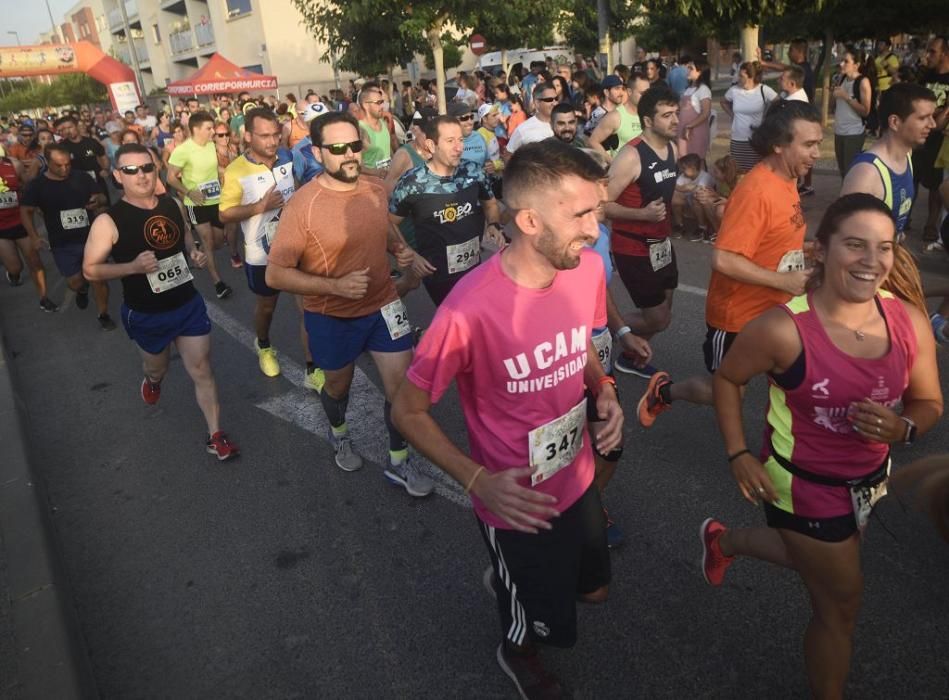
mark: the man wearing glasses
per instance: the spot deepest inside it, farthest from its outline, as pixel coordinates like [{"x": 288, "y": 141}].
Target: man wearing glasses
[
  {"x": 193, "y": 174},
  {"x": 537, "y": 128},
  {"x": 331, "y": 248},
  {"x": 145, "y": 236},
  {"x": 256, "y": 186},
  {"x": 377, "y": 140}
]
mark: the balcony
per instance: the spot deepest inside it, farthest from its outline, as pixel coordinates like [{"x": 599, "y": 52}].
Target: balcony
[
  {"x": 204, "y": 34},
  {"x": 115, "y": 16},
  {"x": 123, "y": 52},
  {"x": 181, "y": 41}
]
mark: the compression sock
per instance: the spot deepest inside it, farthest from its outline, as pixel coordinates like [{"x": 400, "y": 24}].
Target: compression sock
[
  {"x": 398, "y": 448},
  {"x": 263, "y": 343},
  {"x": 664, "y": 393},
  {"x": 335, "y": 412}
]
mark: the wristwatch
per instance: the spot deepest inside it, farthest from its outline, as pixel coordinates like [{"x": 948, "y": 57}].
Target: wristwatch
[{"x": 910, "y": 437}]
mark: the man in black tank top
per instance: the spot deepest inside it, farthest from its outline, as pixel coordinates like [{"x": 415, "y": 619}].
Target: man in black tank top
[
  {"x": 642, "y": 181},
  {"x": 146, "y": 237}
]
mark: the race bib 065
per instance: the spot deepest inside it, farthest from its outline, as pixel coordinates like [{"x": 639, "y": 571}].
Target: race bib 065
[{"x": 172, "y": 272}]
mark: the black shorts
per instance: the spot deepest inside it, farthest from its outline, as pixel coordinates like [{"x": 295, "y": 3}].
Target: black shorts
[
  {"x": 647, "y": 287},
  {"x": 439, "y": 289},
  {"x": 925, "y": 171},
  {"x": 13, "y": 233},
  {"x": 717, "y": 343},
  {"x": 594, "y": 417},
  {"x": 833, "y": 529},
  {"x": 538, "y": 577},
  {"x": 207, "y": 214}
]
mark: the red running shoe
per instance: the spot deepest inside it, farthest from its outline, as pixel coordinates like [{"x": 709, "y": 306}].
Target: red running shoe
[
  {"x": 150, "y": 392},
  {"x": 714, "y": 563},
  {"x": 221, "y": 446},
  {"x": 651, "y": 403}
]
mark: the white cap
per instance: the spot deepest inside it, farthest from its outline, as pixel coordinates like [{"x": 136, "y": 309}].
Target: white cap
[
  {"x": 313, "y": 110},
  {"x": 487, "y": 108}
]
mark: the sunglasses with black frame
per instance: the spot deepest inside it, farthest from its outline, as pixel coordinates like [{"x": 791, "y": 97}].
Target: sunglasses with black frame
[{"x": 339, "y": 149}]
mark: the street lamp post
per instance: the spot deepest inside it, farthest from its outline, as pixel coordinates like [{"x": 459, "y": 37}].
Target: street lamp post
[{"x": 133, "y": 54}]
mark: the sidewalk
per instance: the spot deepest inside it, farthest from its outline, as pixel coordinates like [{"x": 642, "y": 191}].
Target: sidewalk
[{"x": 42, "y": 655}]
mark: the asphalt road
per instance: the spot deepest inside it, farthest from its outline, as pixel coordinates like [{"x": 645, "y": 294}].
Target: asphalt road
[{"x": 280, "y": 576}]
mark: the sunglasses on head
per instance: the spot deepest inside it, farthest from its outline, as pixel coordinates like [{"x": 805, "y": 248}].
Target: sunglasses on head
[
  {"x": 339, "y": 149},
  {"x": 133, "y": 169},
  {"x": 466, "y": 118}
]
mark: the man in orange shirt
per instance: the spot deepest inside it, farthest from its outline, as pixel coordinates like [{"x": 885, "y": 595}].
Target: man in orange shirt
[
  {"x": 758, "y": 261},
  {"x": 330, "y": 248}
]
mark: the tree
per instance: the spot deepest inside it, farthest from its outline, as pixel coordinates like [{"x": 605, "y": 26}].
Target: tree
[
  {"x": 75, "y": 90},
  {"x": 579, "y": 23},
  {"x": 514, "y": 24}
]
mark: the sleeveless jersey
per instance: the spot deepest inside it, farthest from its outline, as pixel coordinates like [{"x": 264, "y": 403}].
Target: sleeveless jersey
[
  {"x": 657, "y": 180},
  {"x": 379, "y": 152},
  {"x": 898, "y": 188},
  {"x": 9, "y": 195},
  {"x": 629, "y": 126},
  {"x": 160, "y": 230},
  {"x": 297, "y": 132},
  {"x": 808, "y": 425}
]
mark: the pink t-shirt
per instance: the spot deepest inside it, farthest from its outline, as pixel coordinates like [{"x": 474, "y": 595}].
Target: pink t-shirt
[{"x": 518, "y": 356}]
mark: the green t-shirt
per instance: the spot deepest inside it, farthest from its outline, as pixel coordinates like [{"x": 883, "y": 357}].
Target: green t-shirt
[
  {"x": 379, "y": 152},
  {"x": 198, "y": 170}
]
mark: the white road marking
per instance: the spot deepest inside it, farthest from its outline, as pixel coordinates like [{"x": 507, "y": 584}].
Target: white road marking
[
  {"x": 689, "y": 289},
  {"x": 365, "y": 416}
]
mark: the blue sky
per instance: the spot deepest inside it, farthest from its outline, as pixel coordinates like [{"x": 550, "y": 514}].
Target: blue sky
[{"x": 29, "y": 19}]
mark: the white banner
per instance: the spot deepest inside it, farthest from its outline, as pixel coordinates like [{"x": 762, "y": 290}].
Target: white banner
[{"x": 124, "y": 96}]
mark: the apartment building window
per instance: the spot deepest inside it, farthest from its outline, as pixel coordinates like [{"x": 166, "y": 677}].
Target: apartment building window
[
  {"x": 236, "y": 8},
  {"x": 156, "y": 34}
]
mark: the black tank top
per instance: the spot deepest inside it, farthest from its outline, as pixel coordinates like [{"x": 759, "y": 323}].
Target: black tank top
[
  {"x": 160, "y": 230},
  {"x": 657, "y": 180}
]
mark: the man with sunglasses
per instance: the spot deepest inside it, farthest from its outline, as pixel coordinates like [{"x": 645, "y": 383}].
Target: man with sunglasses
[
  {"x": 193, "y": 174},
  {"x": 537, "y": 128},
  {"x": 448, "y": 201},
  {"x": 146, "y": 238},
  {"x": 331, "y": 248},
  {"x": 376, "y": 137},
  {"x": 67, "y": 199},
  {"x": 256, "y": 186}
]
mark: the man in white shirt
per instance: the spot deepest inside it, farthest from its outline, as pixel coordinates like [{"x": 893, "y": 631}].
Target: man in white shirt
[
  {"x": 145, "y": 120},
  {"x": 537, "y": 128},
  {"x": 792, "y": 84}
]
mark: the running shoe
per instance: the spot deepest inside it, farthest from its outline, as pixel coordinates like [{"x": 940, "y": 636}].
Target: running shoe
[
  {"x": 236, "y": 262},
  {"x": 710, "y": 238},
  {"x": 614, "y": 536},
  {"x": 222, "y": 290},
  {"x": 395, "y": 274},
  {"x": 48, "y": 306},
  {"x": 150, "y": 392},
  {"x": 805, "y": 191},
  {"x": 714, "y": 563},
  {"x": 105, "y": 322},
  {"x": 82, "y": 298},
  {"x": 938, "y": 322},
  {"x": 934, "y": 247},
  {"x": 14, "y": 280},
  {"x": 346, "y": 457},
  {"x": 697, "y": 235},
  {"x": 678, "y": 231},
  {"x": 627, "y": 365},
  {"x": 651, "y": 403},
  {"x": 314, "y": 379},
  {"x": 409, "y": 476},
  {"x": 489, "y": 581},
  {"x": 267, "y": 359},
  {"x": 221, "y": 446},
  {"x": 530, "y": 678}
]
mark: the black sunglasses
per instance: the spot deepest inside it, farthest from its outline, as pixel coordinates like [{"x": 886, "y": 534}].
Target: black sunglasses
[
  {"x": 220, "y": 135},
  {"x": 133, "y": 169},
  {"x": 466, "y": 118},
  {"x": 339, "y": 149},
  {"x": 546, "y": 99}
]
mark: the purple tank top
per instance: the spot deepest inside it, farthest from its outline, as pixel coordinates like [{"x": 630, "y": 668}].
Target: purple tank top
[{"x": 808, "y": 425}]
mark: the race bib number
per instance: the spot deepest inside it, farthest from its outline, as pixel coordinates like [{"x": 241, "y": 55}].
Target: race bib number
[
  {"x": 792, "y": 261},
  {"x": 210, "y": 189},
  {"x": 269, "y": 231},
  {"x": 172, "y": 272},
  {"x": 863, "y": 498},
  {"x": 383, "y": 164},
  {"x": 660, "y": 254},
  {"x": 396, "y": 318},
  {"x": 556, "y": 444},
  {"x": 464, "y": 256},
  {"x": 8, "y": 200},
  {"x": 74, "y": 218},
  {"x": 603, "y": 342}
]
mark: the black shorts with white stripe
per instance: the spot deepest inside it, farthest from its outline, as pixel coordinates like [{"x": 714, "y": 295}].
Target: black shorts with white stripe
[
  {"x": 205, "y": 214},
  {"x": 538, "y": 577},
  {"x": 715, "y": 346}
]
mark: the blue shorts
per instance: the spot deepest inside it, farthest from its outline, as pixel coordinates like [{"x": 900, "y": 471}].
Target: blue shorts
[
  {"x": 68, "y": 259},
  {"x": 337, "y": 342},
  {"x": 153, "y": 332},
  {"x": 257, "y": 281}
]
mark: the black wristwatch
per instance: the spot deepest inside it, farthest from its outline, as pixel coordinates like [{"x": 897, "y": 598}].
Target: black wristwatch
[{"x": 910, "y": 437}]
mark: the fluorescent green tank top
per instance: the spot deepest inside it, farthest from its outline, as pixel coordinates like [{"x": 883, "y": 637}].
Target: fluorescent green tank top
[
  {"x": 629, "y": 126},
  {"x": 379, "y": 152}
]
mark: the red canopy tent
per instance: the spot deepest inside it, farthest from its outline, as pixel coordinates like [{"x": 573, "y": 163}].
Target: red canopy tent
[{"x": 220, "y": 75}]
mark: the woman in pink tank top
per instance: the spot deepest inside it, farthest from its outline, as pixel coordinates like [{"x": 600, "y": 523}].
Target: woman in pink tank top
[{"x": 840, "y": 360}]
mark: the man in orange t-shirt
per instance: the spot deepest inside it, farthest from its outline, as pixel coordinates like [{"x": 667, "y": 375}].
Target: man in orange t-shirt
[
  {"x": 330, "y": 247},
  {"x": 758, "y": 261}
]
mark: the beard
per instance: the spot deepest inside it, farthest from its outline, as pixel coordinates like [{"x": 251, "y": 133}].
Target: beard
[
  {"x": 557, "y": 254},
  {"x": 341, "y": 175}
]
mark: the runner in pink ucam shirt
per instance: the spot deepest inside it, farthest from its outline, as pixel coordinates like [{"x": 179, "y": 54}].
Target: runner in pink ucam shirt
[{"x": 515, "y": 336}]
